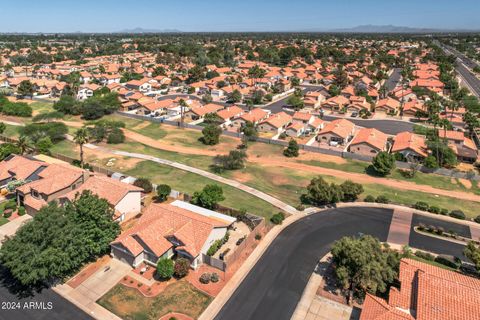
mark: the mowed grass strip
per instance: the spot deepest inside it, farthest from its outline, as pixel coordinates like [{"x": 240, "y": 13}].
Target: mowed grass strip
[{"x": 129, "y": 303}]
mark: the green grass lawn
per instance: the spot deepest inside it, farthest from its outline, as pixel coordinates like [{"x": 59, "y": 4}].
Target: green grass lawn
[
  {"x": 130, "y": 304},
  {"x": 11, "y": 131},
  {"x": 436, "y": 181},
  {"x": 3, "y": 220},
  {"x": 42, "y": 107},
  {"x": 189, "y": 183}
]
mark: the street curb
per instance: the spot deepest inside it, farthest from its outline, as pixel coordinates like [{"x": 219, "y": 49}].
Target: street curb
[{"x": 225, "y": 294}]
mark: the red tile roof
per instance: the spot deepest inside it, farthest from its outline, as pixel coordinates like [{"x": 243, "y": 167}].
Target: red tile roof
[
  {"x": 426, "y": 293},
  {"x": 372, "y": 137}
]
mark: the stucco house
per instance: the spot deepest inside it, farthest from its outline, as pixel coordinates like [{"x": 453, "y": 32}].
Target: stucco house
[{"x": 165, "y": 230}]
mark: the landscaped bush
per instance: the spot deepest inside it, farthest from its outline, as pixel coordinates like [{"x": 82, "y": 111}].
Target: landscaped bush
[
  {"x": 434, "y": 209},
  {"x": 218, "y": 244},
  {"x": 448, "y": 261},
  {"x": 182, "y": 267},
  {"x": 205, "y": 278},
  {"x": 21, "y": 211},
  {"x": 165, "y": 268},
  {"x": 116, "y": 136},
  {"x": 12, "y": 205},
  {"x": 18, "y": 109},
  {"x": 421, "y": 227},
  {"x": 258, "y": 236},
  {"x": 444, "y": 212},
  {"x": 439, "y": 231},
  {"x": 144, "y": 183},
  {"x": 382, "y": 199},
  {"x": 420, "y": 205},
  {"x": 477, "y": 219},
  {"x": 458, "y": 214},
  {"x": 7, "y": 213},
  {"x": 214, "y": 277},
  {"x": 278, "y": 218},
  {"x": 425, "y": 255},
  {"x": 369, "y": 198}
]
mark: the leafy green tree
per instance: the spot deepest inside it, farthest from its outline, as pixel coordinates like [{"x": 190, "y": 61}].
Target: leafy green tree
[
  {"x": 25, "y": 88},
  {"x": 431, "y": 162},
  {"x": 364, "y": 265},
  {"x": 3, "y": 127},
  {"x": 236, "y": 96},
  {"x": 165, "y": 268},
  {"x": 319, "y": 192},
  {"x": 81, "y": 137},
  {"x": 68, "y": 105},
  {"x": 292, "y": 149},
  {"x": 56, "y": 131},
  {"x": 444, "y": 155},
  {"x": 44, "y": 145},
  {"x": 249, "y": 132},
  {"x": 472, "y": 252},
  {"x": 211, "y": 135},
  {"x": 7, "y": 149},
  {"x": 351, "y": 190},
  {"x": 209, "y": 197},
  {"x": 296, "y": 102},
  {"x": 383, "y": 163},
  {"x": 233, "y": 161},
  {"x": 163, "y": 191},
  {"x": 145, "y": 184},
  {"x": 59, "y": 240}
]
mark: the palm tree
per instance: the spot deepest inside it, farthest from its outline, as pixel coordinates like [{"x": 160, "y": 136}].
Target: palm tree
[
  {"x": 23, "y": 144},
  {"x": 81, "y": 137}
]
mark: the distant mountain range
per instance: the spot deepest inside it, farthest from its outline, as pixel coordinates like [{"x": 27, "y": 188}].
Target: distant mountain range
[
  {"x": 141, "y": 30},
  {"x": 394, "y": 29}
]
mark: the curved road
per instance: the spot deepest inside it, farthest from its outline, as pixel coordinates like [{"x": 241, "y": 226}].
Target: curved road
[{"x": 275, "y": 284}]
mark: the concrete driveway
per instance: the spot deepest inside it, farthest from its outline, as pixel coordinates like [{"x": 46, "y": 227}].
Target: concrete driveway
[{"x": 85, "y": 295}]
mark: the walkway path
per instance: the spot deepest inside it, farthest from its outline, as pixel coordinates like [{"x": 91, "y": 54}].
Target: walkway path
[{"x": 399, "y": 233}]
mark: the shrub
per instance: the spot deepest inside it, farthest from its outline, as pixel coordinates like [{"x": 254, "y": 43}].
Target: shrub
[
  {"x": 369, "y": 198},
  {"x": 19, "y": 109},
  {"x": 205, "y": 278},
  {"x": 165, "y": 268},
  {"x": 350, "y": 190},
  {"x": 382, "y": 199},
  {"x": 300, "y": 207},
  {"x": 10, "y": 205},
  {"x": 144, "y": 183},
  {"x": 444, "y": 211},
  {"x": 21, "y": 211},
  {"x": 431, "y": 229},
  {"x": 182, "y": 267},
  {"x": 434, "y": 209},
  {"x": 258, "y": 236},
  {"x": 420, "y": 205},
  {"x": 278, "y": 218},
  {"x": 116, "y": 136},
  {"x": 421, "y": 227},
  {"x": 7, "y": 213},
  {"x": 163, "y": 191},
  {"x": 477, "y": 219},
  {"x": 439, "y": 231},
  {"x": 447, "y": 261},
  {"x": 214, "y": 277},
  {"x": 458, "y": 214},
  {"x": 425, "y": 255}
]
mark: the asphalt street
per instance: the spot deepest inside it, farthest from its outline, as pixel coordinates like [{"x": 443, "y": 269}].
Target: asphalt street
[
  {"x": 394, "y": 78},
  {"x": 462, "y": 61},
  {"x": 16, "y": 304},
  {"x": 274, "y": 286}
]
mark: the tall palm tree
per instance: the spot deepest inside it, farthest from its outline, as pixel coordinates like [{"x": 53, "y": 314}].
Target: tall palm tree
[
  {"x": 81, "y": 137},
  {"x": 23, "y": 144}
]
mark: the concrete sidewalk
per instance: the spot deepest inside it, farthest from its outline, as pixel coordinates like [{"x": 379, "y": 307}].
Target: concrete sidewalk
[
  {"x": 10, "y": 228},
  {"x": 259, "y": 194},
  {"x": 399, "y": 233}
]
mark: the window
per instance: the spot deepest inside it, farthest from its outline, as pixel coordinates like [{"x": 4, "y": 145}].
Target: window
[{"x": 35, "y": 194}]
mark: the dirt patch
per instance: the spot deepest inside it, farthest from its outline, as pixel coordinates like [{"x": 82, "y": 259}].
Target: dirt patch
[
  {"x": 466, "y": 183},
  {"x": 141, "y": 125},
  {"x": 304, "y": 155},
  {"x": 242, "y": 176}
]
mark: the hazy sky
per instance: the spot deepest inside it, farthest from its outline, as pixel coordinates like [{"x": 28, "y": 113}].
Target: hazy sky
[{"x": 227, "y": 15}]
